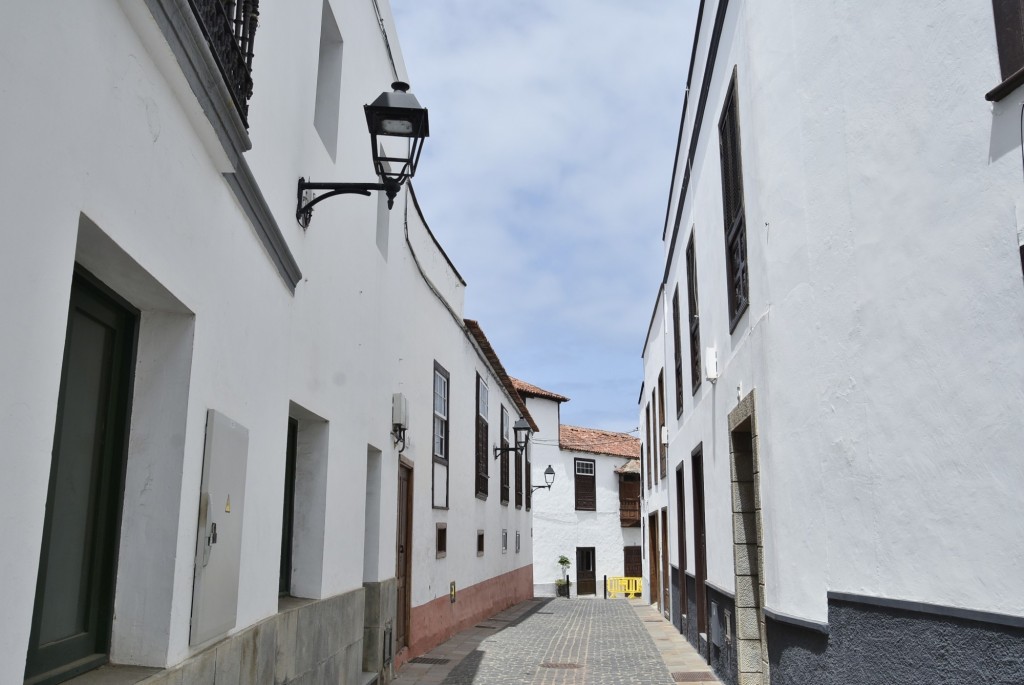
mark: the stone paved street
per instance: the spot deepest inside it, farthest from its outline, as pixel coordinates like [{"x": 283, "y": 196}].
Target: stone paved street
[{"x": 563, "y": 642}]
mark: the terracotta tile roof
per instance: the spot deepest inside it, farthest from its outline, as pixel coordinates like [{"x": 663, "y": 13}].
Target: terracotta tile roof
[
  {"x": 631, "y": 466},
  {"x": 597, "y": 441},
  {"x": 499, "y": 370},
  {"x": 527, "y": 390}
]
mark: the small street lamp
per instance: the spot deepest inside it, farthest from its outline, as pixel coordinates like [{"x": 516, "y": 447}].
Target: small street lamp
[
  {"x": 395, "y": 115},
  {"x": 521, "y": 428},
  {"x": 549, "y": 478}
]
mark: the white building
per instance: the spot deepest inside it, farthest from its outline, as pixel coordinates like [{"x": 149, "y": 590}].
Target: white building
[
  {"x": 837, "y": 349},
  {"x": 591, "y": 513},
  {"x": 220, "y": 498}
]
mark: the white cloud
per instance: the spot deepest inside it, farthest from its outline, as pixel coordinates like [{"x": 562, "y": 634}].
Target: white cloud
[{"x": 553, "y": 125}]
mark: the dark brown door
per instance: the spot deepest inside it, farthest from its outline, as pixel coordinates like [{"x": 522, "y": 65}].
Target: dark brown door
[
  {"x": 284, "y": 585},
  {"x": 700, "y": 542},
  {"x": 403, "y": 556},
  {"x": 632, "y": 562},
  {"x": 653, "y": 563},
  {"x": 681, "y": 537},
  {"x": 666, "y": 593},
  {"x": 74, "y": 592},
  {"x": 586, "y": 575}
]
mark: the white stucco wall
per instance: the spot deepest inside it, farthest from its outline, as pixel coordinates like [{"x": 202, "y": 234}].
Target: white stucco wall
[
  {"x": 109, "y": 161},
  {"x": 558, "y": 527},
  {"x": 884, "y": 331}
]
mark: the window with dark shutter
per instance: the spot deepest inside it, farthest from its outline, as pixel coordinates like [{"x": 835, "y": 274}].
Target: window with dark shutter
[
  {"x": 732, "y": 202},
  {"x": 691, "y": 291},
  {"x": 677, "y": 338},
  {"x": 662, "y": 447},
  {"x": 519, "y": 480},
  {"x": 527, "y": 490},
  {"x": 504, "y": 455},
  {"x": 586, "y": 489},
  {"x": 1009, "y": 18},
  {"x": 647, "y": 427},
  {"x": 481, "y": 437}
]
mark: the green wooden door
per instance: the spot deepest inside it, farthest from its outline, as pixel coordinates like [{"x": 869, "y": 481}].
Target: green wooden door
[{"x": 74, "y": 592}]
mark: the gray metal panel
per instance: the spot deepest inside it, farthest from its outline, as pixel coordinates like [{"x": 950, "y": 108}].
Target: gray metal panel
[{"x": 219, "y": 543}]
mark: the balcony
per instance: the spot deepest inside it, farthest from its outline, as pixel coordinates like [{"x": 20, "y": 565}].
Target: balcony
[
  {"x": 230, "y": 30},
  {"x": 629, "y": 512}
]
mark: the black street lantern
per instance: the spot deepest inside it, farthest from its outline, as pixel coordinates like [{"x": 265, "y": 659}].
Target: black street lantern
[
  {"x": 549, "y": 479},
  {"x": 521, "y": 428},
  {"x": 396, "y": 115}
]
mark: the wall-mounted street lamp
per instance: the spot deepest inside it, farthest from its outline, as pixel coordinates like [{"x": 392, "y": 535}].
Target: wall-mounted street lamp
[
  {"x": 549, "y": 478},
  {"x": 521, "y": 428},
  {"x": 397, "y": 115}
]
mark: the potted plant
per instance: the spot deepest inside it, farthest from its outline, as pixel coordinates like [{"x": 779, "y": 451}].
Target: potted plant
[{"x": 563, "y": 583}]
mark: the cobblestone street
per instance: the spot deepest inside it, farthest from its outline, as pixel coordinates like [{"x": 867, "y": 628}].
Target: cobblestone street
[{"x": 563, "y": 641}]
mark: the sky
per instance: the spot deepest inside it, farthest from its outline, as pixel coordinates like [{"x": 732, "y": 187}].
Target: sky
[{"x": 553, "y": 125}]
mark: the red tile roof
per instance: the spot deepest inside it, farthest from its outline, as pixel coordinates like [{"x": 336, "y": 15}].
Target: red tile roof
[
  {"x": 597, "y": 441},
  {"x": 492, "y": 358},
  {"x": 527, "y": 390}
]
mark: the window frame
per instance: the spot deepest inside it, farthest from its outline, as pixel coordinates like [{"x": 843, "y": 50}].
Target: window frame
[
  {"x": 733, "y": 206},
  {"x": 482, "y": 430},
  {"x": 693, "y": 307},
  {"x": 441, "y": 540},
  {"x": 505, "y": 429},
  {"x": 584, "y": 504},
  {"x": 441, "y": 373},
  {"x": 678, "y": 352}
]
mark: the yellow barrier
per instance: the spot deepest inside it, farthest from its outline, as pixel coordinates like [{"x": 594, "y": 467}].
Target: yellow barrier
[{"x": 624, "y": 585}]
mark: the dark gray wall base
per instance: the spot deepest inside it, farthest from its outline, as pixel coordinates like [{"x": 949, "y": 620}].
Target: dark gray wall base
[
  {"x": 676, "y": 608},
  {"x": 317, "y": 642},
  {"x": 378, "y": 630},
  {"x": 723, "y": 658},
  {"x": 870, "y": 644}
]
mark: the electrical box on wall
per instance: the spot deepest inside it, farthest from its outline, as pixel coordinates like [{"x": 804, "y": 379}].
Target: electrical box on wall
[
  {"x": 219, "y": 543},
  {"x": 711, "y": 364}
]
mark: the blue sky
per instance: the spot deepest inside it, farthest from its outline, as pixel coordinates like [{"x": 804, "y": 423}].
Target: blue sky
[{"x": 553, "y": 125}]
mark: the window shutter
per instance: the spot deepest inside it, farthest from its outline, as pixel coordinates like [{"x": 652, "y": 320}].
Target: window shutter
[
  {"x": 732, "y": 203},
  {"x": 586, "y": 492},
  {"x": 1009, "y": 18}
]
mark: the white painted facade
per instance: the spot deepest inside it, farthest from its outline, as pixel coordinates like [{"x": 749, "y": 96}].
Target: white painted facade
[
  {"x": 885, "y": 332},
  {"x": 558, "y": 527},
  {"x": 111, "y": 163}
]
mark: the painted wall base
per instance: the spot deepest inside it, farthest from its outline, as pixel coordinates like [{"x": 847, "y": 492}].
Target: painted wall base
[
  {"x": 317, "y": 642},
  {"x": 378, "y": 624},
  {"x": 436, "y": 621},
  {"x": 870, "y": 645}
]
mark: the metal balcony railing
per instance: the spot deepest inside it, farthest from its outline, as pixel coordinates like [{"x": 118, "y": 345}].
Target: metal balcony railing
[{"x": 230, "y": 30}]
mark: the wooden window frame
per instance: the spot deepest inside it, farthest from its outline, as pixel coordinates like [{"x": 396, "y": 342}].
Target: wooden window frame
[
  {"x": 481, "y": 466},
  {"x": 662, "y": 447},
  {"x": 678, "y": 352},
  {"x": 591, "y": 503},
  {"x": 647, "y": 427},
  {"x": 505, "y": 425},
  {"x": 693, "y": 306},
  {"x": 734, "y": 210},
  {"x": 480, "y": 537},
  {"x": 441, "y": 540},
  {"x": 441, "y": 422}
]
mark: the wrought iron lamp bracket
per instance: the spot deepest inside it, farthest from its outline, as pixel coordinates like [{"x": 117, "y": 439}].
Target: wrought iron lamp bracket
[{"x": 304, "y": 206}]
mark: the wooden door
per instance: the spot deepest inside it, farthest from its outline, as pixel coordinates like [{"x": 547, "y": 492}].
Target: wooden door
[
  {"x": 632, "y": 562},
  {"x": 403, "y": 556},
  {"x": 71, "y": 620},
  {"x": 654, "y": 591},
  {"x": 700, "y": 543},
  {"x": 586, "y": 574},
  {"x": 681, "y": 538},
  {"x": 666, "y": 592}
]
